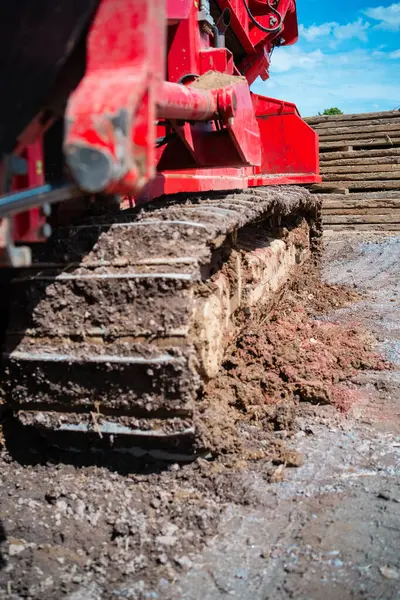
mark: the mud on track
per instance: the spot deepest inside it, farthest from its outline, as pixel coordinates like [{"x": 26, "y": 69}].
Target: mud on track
[{"x": 299, "y": 391}]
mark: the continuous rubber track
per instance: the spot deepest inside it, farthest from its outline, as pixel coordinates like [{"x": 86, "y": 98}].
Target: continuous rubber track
[{"x": 116, "y": 335}]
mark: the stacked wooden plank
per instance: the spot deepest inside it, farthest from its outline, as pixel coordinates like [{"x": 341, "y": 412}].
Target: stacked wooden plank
[{"x": 360, "y": 166}]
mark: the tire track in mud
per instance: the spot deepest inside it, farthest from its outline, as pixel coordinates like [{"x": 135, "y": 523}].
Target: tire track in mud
[{"x": 371, "y": 263}]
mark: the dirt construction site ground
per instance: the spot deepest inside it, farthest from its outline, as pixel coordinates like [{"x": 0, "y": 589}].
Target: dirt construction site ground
[{"x": 303, "y": 500}]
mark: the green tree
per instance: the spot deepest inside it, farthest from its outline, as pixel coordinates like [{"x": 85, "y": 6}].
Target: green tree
[{"x": 332, "y": 111}]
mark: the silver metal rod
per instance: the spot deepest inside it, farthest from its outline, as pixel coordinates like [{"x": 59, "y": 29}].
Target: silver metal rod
[{"x": 17, "y": 202}]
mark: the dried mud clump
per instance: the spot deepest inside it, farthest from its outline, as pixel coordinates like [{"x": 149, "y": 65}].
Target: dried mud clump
[
  {"x": 316, "y": 296},
  {"x": 284, "y": 359}
]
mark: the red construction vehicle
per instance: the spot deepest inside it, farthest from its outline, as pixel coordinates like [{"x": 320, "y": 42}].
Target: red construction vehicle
[{"x": 118, "y": 317}]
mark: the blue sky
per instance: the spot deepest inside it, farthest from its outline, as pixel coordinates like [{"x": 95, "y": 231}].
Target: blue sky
[{"x": 348, "y": 55}]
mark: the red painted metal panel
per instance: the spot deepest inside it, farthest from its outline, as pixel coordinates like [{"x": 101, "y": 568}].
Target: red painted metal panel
[
  {"x": 289, "y": 145},
  {"x": 289, "y": 151},
  {"x": 207, "y": 180},
  {"x": 138, "y": 125},
  {"x": 184, "y": 44},
  {"x": 27, "y": 226},
  {"x": 178, "y": 9},
  {"x": 110, "y": 139},
  {"x": 216, "y": 59},
  {"x": 262, "y": 11}
]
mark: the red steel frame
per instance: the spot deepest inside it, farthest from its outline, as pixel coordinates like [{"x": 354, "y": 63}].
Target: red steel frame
[{"x": 146, "y": 79}]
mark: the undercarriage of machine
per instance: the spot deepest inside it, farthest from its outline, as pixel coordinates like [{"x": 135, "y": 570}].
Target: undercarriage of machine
[
  {"x": 116, "y": 336},
  {"x": 116, "y": 320}
]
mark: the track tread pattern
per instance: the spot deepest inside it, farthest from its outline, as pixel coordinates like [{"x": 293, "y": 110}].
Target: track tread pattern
[{"x": 104, "y": 327}]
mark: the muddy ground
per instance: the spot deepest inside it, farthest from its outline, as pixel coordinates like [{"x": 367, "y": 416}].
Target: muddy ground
[{"x": 303, "y": 500}]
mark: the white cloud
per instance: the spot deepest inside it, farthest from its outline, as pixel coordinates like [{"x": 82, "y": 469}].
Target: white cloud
[
  {"x": 297, "y": 59},
  {"x": 388, "y": 17},
  {"x": 316, "y": 31},
  {"x": 386, "y": 55},
  {"x": 317, "y": 80},
  {"x": 316, "y": 74},
  {"x": 356, "y": 30}
]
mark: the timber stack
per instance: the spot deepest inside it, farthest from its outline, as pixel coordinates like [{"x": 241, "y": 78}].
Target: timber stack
[{"x": 360, "y": 166}]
